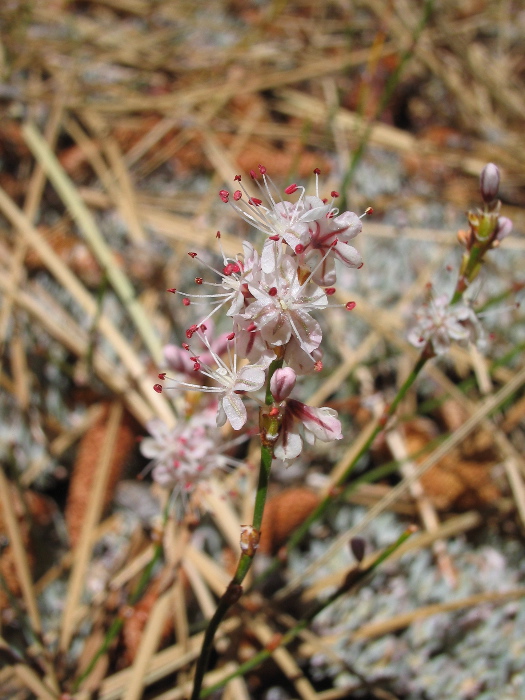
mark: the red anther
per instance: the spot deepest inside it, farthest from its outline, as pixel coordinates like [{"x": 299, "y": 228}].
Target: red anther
[
  {"x": 350, "y": 305},
  {"x": 262, "y": 169},
  {"x": 186, "y": 302},
  {"x": 318, "y": 366},
  {"x": 218, "y": 234},
  {"x": 291, "y": 189},
  {"x": 251, "y": 328},
  {"x": 162, "y": 375},
  {"x": 272, "y": 291},
  {"x": 274, "y": 412},
  {"x": 237, "y": 195},
  {"x": 194, "y": 359},
  {"x": 317, "y": 171},
  {"x": 299, "y": 248},
  {"x": 203, "y": 327},
  {"x": 231, "y": 336},
  {"x": 253, "y": 175},
  {"x": 274, "y": 238},
  {"x": 198, "y": 280},
  {"x": 227, "y": 269},
  {"x": 196, "y": 367},
  {"x": 360, "y": 266},
  {"x": 157, "y": 388},
  {"x": 192, "y": 255},
  {"x": 235, "y": 267},
  {"x": 324, "y": 200},
  {"x": 334, "y": 194},
  {"x": 329, "y": 291},
  {"x": 172, "y": 290},
  {"x": 237, "y": 178},
  {"x": 186, "y": 346},
  {"x": 224, "y": 195},
  {"x": 334, "y": 242},
  {"x": 369, "y": 211},
  {"x": 190, "y": 331},
  {"x": 256, "y": 202}
]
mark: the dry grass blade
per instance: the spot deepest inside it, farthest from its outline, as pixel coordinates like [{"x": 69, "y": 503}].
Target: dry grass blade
[
  {"x": 20, "y": 555},
  {"x": 380, "y": 628},
  {"x": 101, "y": 250}
]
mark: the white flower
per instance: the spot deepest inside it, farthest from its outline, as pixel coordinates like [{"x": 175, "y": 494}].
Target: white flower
[
  {"x": 231, "y": 382},
  {"x": 440, "y": 323},
  {"x": 281, "y": 306}
]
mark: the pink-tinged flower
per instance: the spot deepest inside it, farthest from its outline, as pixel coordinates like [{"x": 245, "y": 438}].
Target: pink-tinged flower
[
  {"x": 282, "y": 305},
  {"x": 312, "y": 227},
  {"x": 188, "y": 454},
  {"x": 184, "y": 455},
  {"x": 327, "y": 241},
  {"x": 179, "y": 360},
  {"x": 440, "y": 323},
  {"x": 316, "y": 423},
  {"x": 233, "y": 289},
  {"x": 282, "y": 383},
  {"x": 232, "y": 382}
]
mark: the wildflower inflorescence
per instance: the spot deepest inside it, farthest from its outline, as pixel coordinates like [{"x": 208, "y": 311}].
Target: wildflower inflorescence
[{"x": 271, "y": 295}]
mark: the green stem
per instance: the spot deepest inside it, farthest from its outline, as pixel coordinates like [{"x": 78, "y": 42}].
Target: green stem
[
  {"x": 234, "y": 590},
  {"x": 355, "y": 577}
]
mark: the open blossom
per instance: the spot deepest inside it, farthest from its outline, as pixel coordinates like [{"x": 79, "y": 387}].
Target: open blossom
[
  {"x": 282, "y": 305},
  {"x": 311, "y": 226},
  {"x": 231, "y": 381},
  {"x": 440, "y": 323}
]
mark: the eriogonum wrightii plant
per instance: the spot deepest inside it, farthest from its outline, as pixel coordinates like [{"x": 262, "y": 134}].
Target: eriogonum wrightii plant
[{"x": 272, "y": 293}]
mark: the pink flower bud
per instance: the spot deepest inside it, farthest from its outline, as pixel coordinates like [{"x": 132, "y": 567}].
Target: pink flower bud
[
  {"x": 489, "y": 182},
  {"x": 504, "y": 227},
  {"x": 282, "y": 383}
]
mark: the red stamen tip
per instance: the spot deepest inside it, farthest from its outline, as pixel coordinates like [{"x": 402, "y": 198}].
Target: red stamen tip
[
  {"x": 272, "y": 291},
  {"x": 157, "y": 388},
  {"x": 196, "y": 367},
  {"x": 318, "y": 366},
  {"x": 224, "y": 195},
  {"x": 237, "y": 195},
  {"x": 349, "y": 306},
  {"x": 231, "y": 336},
  {"x": 274, "y": 238},
  {"x": 172, "y": 290},
  {"x": 291, "y": 189},
  {"x": 218, "y": 234},
  {"x": 203, "y": 327},
  {"x": 256, "y": 202},
  {"x": 253, "y": 175},
  {"x": 162, "y": 375},
  {"x": 334, "y": 194},
  {"x": 329, "y": 291},
  {"x": 186, "y": 302},
  {"x": 186, "y": 346},
  {"x": 262, "y": 169},
  {"x": 192, "y": 255},
  {"x": 369, "y": 211},
  {"x": 317, "y": 171},
  {"x": 299, "y": 248},
  {"x": 237, "y": 178},
  {"x": 198, "y": 280}
]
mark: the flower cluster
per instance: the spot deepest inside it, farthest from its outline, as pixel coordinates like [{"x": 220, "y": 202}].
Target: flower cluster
[
  {"x": 271, "y": 296},
  {"x": 438, "y": 323},
  {"x": 188, "y": 454}
]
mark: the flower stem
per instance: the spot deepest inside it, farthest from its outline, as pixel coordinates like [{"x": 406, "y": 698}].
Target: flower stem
[
  {"x": 234, "y": 589},
  {"x": 355, "y": 577}
]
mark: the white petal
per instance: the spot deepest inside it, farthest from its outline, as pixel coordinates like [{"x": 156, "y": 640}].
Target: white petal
[{"x": 235, "y": 410}]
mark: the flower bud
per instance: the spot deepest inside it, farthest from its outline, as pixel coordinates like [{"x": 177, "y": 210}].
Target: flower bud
[
  {"x": 503, "y": 228},
  {"x": 282, "y": 383},
  {"x": 489, "y": 182}
]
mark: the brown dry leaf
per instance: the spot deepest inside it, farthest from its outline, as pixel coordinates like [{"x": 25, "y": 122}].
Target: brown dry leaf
[
  {"x": 87, "y": 457},
  {"x": 282, "y": 515},
  {"x": 453, "y": 481}
]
